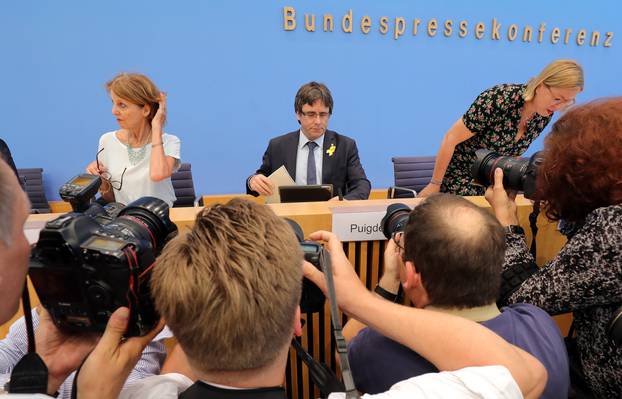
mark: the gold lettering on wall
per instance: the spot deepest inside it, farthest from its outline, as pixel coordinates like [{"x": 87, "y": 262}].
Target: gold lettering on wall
[
  {"x": 595, "y": 38},
  {"x": 567, "y": 35},
  {"x": 400, "y": 27},
  {"x": 527, "y": 34},
  {"x": 415, "y": 25},
  {"x": 346, "y": 22},
  {"x": 541, "y": 31},
  {"x": 365, "y": 24},
  {"x": 401, "y": 24},
  {"x": 463, "y": 29},
  {"x": 512, "y": 32},
  {"x": 432, "y": 27},
  {"x": 310, "y": 22},
  {"x": 384, "y": 25},
  {"x": 495, "y": 29},
  {"x": 479, "y": 30},
  {"x": 448, "y": 28},
  {"x": 581, "y": 37},
  {"x": 555, "y": 35},
  {"x": 289, "y": 18},
  {"x": 328, "y": 22}
]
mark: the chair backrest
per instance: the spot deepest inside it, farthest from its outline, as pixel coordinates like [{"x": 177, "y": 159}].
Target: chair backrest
[
  {"x": 413, "y": 172},
  {"x": 32, "y": 179},
  {"x": 183, "y": 186}
]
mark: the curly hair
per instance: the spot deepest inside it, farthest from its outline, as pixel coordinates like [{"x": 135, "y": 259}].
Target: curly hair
[{"x": 582, "y": 167}]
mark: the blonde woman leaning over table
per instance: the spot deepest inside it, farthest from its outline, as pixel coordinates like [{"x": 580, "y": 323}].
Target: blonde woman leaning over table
[{"x": 505, "y": 119}]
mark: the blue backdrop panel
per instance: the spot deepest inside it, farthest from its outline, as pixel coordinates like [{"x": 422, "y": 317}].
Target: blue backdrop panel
[{"x": 231, "y": 72}]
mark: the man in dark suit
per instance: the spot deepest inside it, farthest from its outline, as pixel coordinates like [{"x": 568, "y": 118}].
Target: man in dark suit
[{"x": 313, "y": 155}]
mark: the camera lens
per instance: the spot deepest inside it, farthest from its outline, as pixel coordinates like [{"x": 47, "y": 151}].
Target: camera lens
[
  {"x": 395, "y": 219},
  {"x": 514, "y": 169},
  {"x": 148, "y": 218}
]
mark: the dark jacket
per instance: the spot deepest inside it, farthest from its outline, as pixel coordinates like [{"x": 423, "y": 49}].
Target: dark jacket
[{"x": 342, "y": 169}]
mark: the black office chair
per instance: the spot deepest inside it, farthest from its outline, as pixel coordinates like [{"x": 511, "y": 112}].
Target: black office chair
[
  {"x": 184, "y": 187},
  {"x": 32, "y": 181},
  {"x": 410, "y": 175}
]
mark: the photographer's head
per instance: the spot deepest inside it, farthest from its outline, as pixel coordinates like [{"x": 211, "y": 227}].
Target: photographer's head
[
  {"x": 453, "y": 251},
  {"x": 14, "y": 247},
  {"x": 582, "y": 168},
  {"x": 229, "y": 289}
]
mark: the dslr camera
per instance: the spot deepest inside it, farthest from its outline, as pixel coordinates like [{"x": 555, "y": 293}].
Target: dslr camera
[
  {"x": 88, "y": 263},
  {"x": 312, "y": 298},
  {"x": 519, "y": 174}
]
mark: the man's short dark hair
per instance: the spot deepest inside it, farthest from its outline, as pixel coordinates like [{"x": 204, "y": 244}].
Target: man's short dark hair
[
  {"x": 310, "y": 93},
  {"x": 458, "y": 248}
]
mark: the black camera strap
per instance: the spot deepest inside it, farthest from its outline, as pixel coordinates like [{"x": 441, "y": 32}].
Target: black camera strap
[
  {"x": 533, "y": 224},
  {"x": 30, "y": 374},
  {"x": 340, "y": 342}
]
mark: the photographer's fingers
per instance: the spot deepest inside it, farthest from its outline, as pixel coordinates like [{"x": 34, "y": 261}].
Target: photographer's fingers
[
  {"x": 332, "y": 242},
  {"x": 134, "y": 346},
  {"x": 316, "y": 276},
  {"x": 498, "y": 179},
  {"x": 116, "y": 327}
]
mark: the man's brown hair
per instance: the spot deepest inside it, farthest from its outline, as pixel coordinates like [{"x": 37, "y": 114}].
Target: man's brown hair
[
  {"x": 229, "y": 288},
  {"x": 310, "y": 93},
  {"x": 458, "y": 248}
]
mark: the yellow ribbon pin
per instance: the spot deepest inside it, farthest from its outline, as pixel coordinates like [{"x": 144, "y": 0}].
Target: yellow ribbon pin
[{"x": 331, "y": 150}]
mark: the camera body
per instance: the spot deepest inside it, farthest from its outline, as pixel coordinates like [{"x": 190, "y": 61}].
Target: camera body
[
  {"x": 86, "y": 265},
  {"x": 312, "y": 298},
  {"x": 518, "y": 173}
]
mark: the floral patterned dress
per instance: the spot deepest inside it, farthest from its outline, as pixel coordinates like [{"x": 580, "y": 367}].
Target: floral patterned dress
[{"x": 493, "y": 118}]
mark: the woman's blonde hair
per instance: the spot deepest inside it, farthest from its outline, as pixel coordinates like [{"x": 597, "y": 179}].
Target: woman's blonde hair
[
  {"x": 565, "y": 74},
  {"x": 137, "y": 89}
]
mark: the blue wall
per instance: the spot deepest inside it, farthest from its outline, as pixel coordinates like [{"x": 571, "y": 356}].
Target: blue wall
[{"x": 231, "y": 72}]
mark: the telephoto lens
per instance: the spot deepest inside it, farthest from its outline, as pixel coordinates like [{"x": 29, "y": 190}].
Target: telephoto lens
[
  {"x": 395, "y": 219},
  {"x": 519, "y": 174}
]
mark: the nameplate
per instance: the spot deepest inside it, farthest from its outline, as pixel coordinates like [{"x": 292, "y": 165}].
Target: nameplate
[{"x": 358, "y": 223}]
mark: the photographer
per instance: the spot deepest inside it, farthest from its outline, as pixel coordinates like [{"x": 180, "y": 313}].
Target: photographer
[
  {"x": 448, "y": 259},
  {"x": 61, "y": 353},
  {"x": 230, "y": 288},
  {"x": 580, "y": 182}
]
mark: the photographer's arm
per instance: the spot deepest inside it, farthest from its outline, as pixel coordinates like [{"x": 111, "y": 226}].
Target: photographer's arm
[
  {"x": 390, "y": 282},
  {"x": 454, "y": 136},
  {"x": 431, "y": 334}
]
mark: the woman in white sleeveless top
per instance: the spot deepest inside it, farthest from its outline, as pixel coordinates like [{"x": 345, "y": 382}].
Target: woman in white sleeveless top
[{"x": 138, "y": 159}]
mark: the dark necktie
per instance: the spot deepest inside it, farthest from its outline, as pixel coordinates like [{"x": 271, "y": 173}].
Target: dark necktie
[{"x": 311, "y": 179}]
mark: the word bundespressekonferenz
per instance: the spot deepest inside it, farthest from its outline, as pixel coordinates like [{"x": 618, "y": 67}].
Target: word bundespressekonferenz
[{"x": 400, "y": 27}]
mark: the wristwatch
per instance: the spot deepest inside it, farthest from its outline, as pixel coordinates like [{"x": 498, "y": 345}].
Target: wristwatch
[
  {"x": 514, "y": 229},
  {"x": 389, "y": 296}
]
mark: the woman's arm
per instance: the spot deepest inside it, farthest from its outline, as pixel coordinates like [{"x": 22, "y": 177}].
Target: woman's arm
[
  {"x": 454, "y": 136},
  {"x": 161, "y": 165}
]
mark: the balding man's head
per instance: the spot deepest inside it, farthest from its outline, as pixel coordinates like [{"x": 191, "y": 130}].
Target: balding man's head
[{"x": 458, "y": 248}]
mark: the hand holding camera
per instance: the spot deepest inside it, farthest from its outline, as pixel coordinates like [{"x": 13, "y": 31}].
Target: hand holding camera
[{"x": 503, "y": 202}]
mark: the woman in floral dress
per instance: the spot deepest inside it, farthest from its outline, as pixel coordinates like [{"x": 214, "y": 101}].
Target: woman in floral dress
[{"x": 504, "y": 119}]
